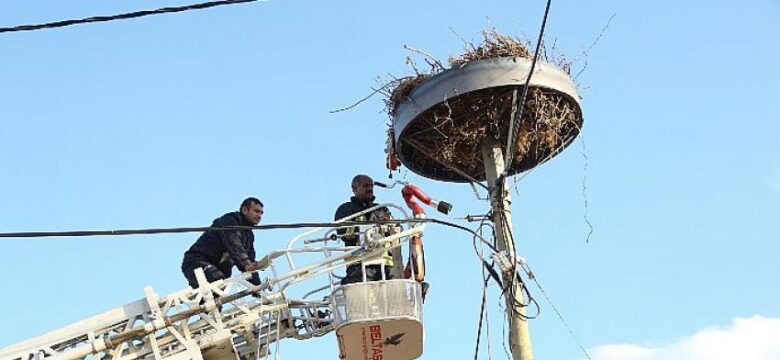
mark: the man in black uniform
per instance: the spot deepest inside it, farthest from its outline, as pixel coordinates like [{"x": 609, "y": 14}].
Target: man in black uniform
[
  {"x": 363, "y": 189},
  {"x": 218, "y": 250}
]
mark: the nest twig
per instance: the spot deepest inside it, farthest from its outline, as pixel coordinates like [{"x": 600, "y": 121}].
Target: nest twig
[
  {"x": 495, "y": 45},
  {"x": 401, "y": 90},
  {"x": 550, "y": 122}
]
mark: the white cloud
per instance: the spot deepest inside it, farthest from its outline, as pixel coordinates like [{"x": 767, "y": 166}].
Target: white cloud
[{"x": 756, "y": 338}]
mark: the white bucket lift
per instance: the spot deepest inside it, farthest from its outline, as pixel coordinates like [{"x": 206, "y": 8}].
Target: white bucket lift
[
  {"x": 382, "y": 320},
  {"x": 379, "y": 320}
]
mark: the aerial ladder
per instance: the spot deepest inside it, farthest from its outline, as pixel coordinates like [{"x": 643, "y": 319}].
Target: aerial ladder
[{"x": 236, "y": 319}]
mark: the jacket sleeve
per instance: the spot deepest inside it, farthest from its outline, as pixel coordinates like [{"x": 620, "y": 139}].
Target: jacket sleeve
[
  {"x": 251, "y": 251},
  {"x": 348, "y": 234},
  {"x": 255, "y": 279},
  {"x": 342, "y": 211},
  {"x": 232, "y": 242}
]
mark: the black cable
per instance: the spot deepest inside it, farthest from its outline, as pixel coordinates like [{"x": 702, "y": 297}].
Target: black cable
[
  {"x": 454, "y": 225},
  {"x": 509, "y": 154},
  {"x": 197, "y": 229},
  {"x": 477, "y": 251},
  {"x": 509, "y": 290},
  {"x": 482, "y": 312},
  {"x": 493, "y": 273},
  {"x": 559, "y": 314},
  {"x": 233, "y": 228},
  {"x": 136, "y": 14},
  {"x": 531, "y": 300}
]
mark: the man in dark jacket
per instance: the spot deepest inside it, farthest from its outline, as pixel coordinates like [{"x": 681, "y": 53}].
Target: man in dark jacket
[
  {"x": 218, "y": 250},
  {"x": 363, "y": 189}
]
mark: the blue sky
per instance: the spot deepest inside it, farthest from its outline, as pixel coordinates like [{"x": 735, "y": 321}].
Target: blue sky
[{"x": 172, "y": 120}]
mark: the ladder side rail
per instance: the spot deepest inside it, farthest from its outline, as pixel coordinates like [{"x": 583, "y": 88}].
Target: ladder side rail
[{"x": 79, "y": 332}]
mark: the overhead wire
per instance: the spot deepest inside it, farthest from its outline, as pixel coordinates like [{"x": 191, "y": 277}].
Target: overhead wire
[
  {"x": 532, "y": 276},
  {"x": 125, "y": 232},
  {"x": 482, "y": 313},
  {"x": 122, "y": 232},
  {"x": 124, "y": 16},
  {"x": 504, "y": 325},
  {"x": 487, "y": 272},
  {"x": 511, "y": 285},
  {"x": 510, "y": 288},
  {"x": 486, "y": 267},
  {"x": 514, "y": 128}
]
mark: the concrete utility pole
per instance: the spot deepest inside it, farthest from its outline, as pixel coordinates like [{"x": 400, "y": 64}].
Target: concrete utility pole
[{"x": 500, "y": 200}]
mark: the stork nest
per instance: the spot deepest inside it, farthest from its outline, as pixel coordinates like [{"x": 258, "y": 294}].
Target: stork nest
[
  {"x": 458, "y": 126},
  {"x": 495, "y": 45},
  {"x": 450, "y": 134},
  {"x": 401, "y": 90}
]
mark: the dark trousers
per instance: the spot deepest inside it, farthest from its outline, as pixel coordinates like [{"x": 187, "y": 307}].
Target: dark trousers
[
  {"x": 212, "y": 272},
  {"x": 373, "y": 273}
]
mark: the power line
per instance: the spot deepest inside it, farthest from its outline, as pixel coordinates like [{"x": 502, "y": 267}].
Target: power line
[
  {"x": 487, "y": 273},
  {"x": 123, "y": 232},
  {"x": 514, "y": 128},
  {"x": 131, "y": 15},
  {"x": 527, "y": 269},
  {"x": 80, "y": 233},
  {"x": 509, "y": 290},
  {"x": 482, "y": 314}
]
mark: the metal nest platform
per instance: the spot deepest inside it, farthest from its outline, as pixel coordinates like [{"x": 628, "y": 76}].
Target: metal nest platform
[{"x": 445, "y": 119}]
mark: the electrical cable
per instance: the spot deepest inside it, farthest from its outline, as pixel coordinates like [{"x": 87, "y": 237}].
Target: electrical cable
[
  {"x": 527, "y": 269},
  {"x": 531, "y": 275},
  {"x": 491, "y": 272},
  {"x": 82, "y": 233},
  {"x": 513, "y": 296},
  {"x": 131, "y": 15},
  {"x": 475, "y": 234},
  {"x": 514, "y": 128},
  {"x": 196, "y": 229},
  {"x": 504, "y": 325},
  {"x": 512, "y": 284},
  {"x": 482, "y": 311},
  {"x": 478, "y": 253}
]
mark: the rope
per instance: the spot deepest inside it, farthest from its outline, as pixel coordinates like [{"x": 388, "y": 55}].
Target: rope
[{"x": 131, "y": 15}]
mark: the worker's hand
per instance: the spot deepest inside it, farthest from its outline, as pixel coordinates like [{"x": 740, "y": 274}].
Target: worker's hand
[{"x": 251, "y": 266}]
